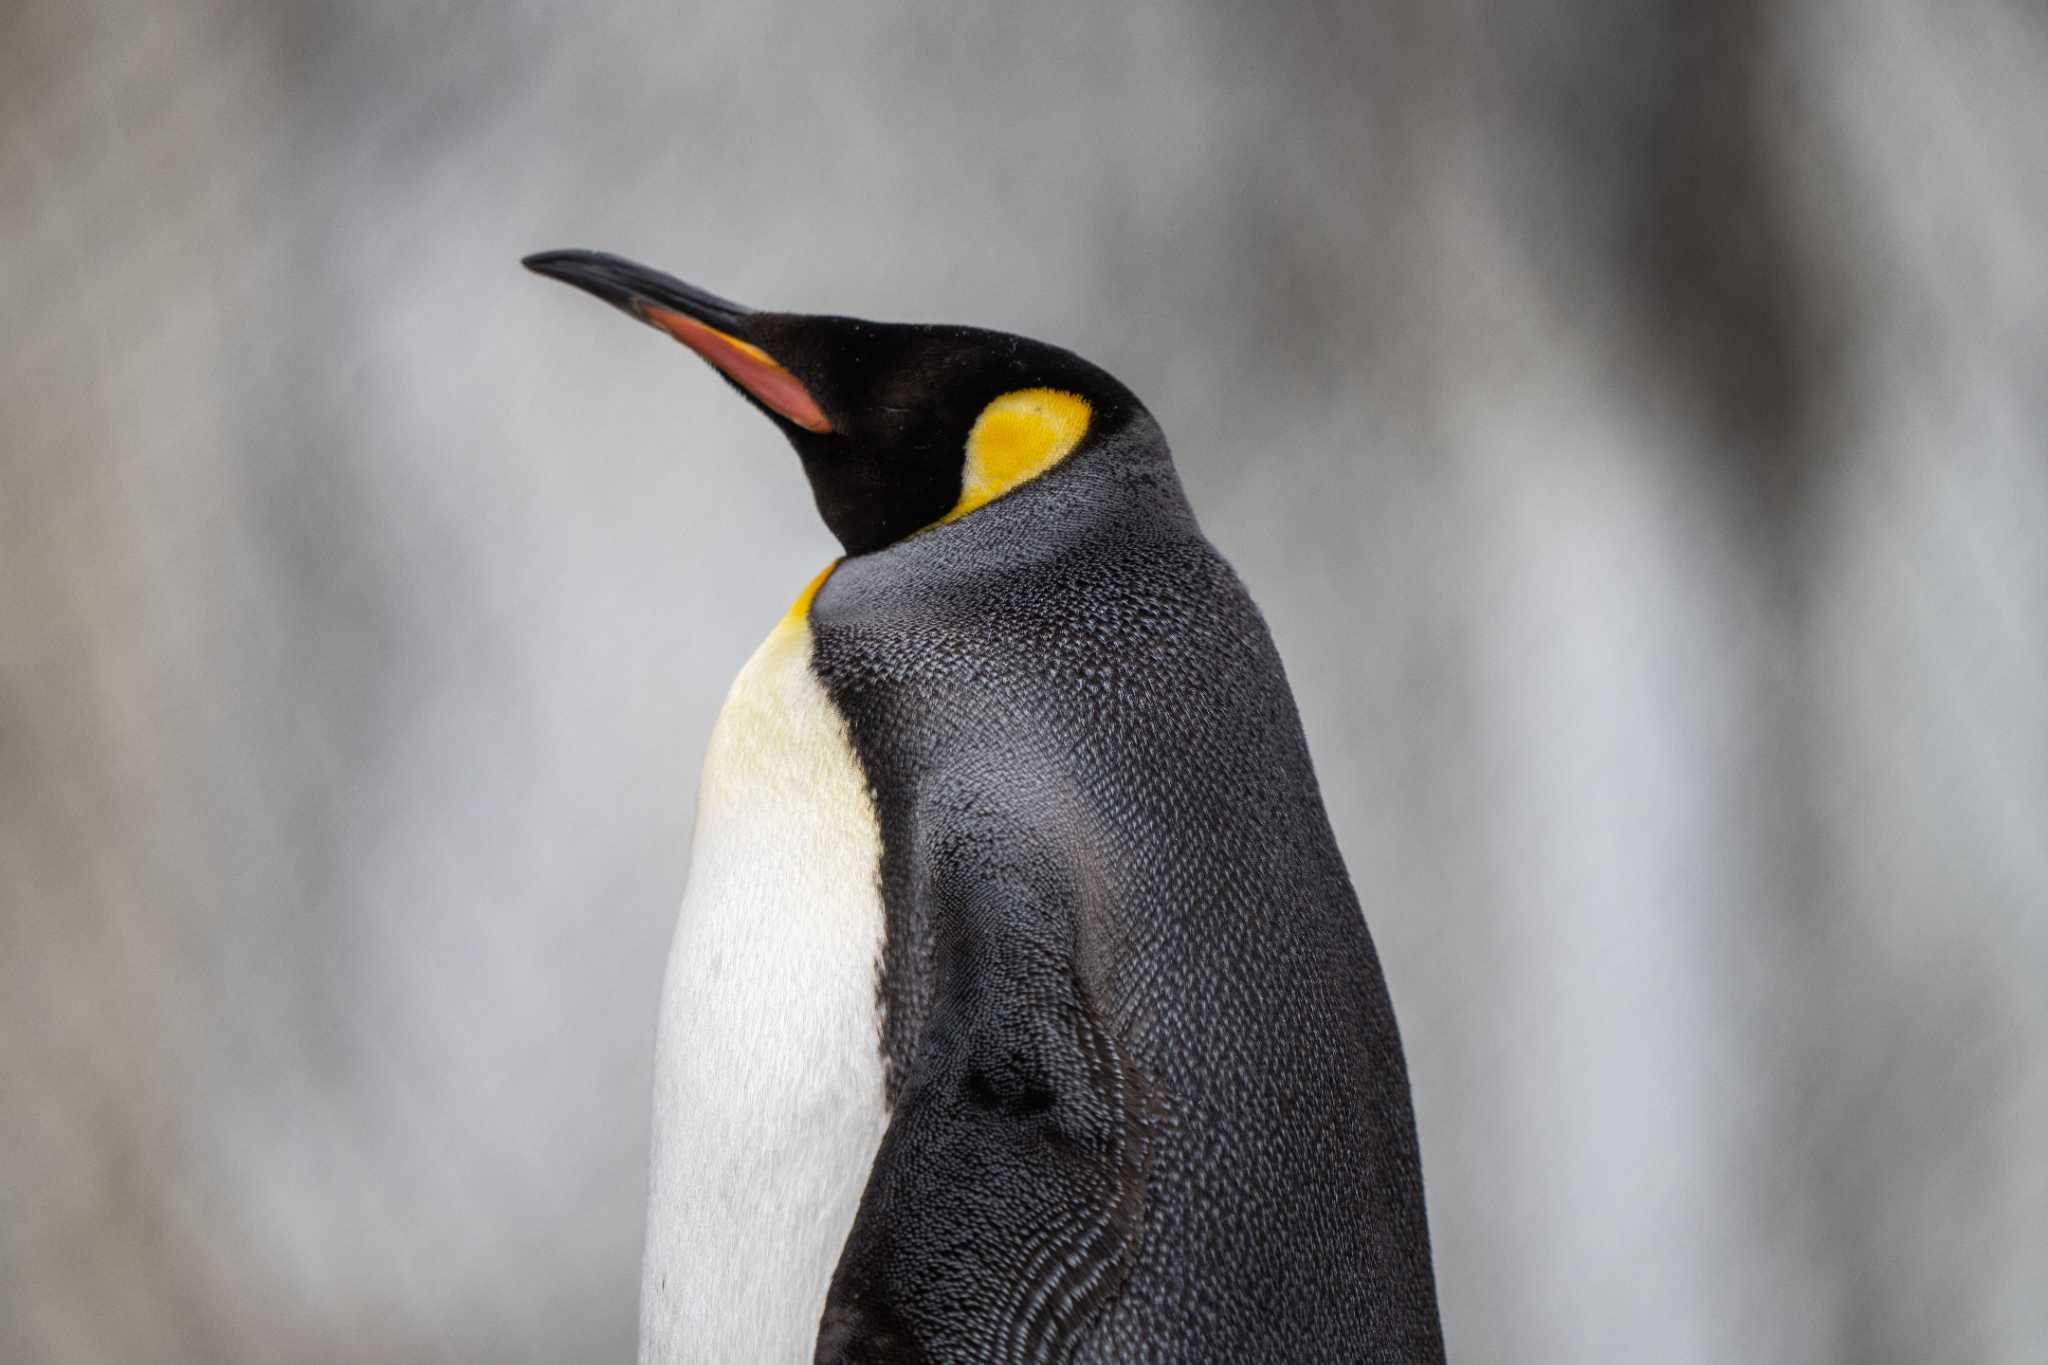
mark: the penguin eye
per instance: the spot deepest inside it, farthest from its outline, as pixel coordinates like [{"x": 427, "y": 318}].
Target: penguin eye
[{"x": 1015, "y": 439}]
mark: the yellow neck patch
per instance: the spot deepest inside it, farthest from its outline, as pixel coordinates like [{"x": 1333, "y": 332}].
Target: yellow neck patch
[
  {"x": 1017, "y": 438},
  {"x": 801, "y": 608}
]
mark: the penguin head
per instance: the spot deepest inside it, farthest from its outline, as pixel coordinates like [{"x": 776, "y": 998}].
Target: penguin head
[{"x": 900, "y": 426}]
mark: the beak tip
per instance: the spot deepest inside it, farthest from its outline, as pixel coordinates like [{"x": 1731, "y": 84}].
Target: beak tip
[
  {"x": 607, "y": 277},
  {"x": 553, "y": 264},
  {"x": 631, "y": 287}
]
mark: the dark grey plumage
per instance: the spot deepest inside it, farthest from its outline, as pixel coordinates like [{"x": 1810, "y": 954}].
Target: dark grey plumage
[{"x": 1149, "y": 1097}]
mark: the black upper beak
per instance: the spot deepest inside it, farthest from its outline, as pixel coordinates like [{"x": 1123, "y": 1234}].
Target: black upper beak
[{"x": 632, "y": 288}]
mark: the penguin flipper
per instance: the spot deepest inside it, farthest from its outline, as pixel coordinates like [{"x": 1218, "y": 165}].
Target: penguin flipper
[{"x": 1006, "y": 1202}]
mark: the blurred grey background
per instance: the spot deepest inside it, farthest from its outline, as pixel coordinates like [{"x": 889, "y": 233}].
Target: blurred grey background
[{"x": 1631, "y": 414}]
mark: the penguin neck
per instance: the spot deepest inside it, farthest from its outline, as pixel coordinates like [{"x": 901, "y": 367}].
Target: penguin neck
[
  {"x": 1119, "y": 490},
  {"x": 1124, "y": 483}
]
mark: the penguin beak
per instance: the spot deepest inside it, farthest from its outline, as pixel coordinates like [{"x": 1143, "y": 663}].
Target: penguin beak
[{"x": 700, "y": 320}]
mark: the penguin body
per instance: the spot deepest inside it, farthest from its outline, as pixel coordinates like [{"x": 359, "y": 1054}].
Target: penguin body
[
  {"x": 768, "y": 1094},
  {"x": 1021, "y": 1008}
]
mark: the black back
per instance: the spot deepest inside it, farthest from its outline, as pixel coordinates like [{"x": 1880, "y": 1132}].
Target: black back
[{"x": 1148, "y": 1095}]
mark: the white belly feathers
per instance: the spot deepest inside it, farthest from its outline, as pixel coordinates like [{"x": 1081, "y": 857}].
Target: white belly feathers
[{"x": 768, "y": 1075}]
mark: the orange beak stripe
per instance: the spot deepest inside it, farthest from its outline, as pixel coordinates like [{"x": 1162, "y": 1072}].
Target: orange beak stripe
[{"x": 747, "y": 365}]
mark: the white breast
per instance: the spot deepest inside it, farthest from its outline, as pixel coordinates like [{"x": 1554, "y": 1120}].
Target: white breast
[{"x": 768, "y": 1076}]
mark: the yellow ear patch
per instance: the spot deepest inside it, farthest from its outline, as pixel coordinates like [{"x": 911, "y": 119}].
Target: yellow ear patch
[{"x": 1017, "y": 438}]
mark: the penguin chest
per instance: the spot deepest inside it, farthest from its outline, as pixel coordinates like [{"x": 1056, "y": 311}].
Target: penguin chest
[{"x": 768, "y": 1100}]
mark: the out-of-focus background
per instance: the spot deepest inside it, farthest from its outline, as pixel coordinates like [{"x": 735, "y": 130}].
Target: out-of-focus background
[{"x": 1631, "y": 414}]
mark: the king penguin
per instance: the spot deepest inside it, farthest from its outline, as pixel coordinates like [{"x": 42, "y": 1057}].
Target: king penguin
[{"x": 1020, "y": 1008}]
